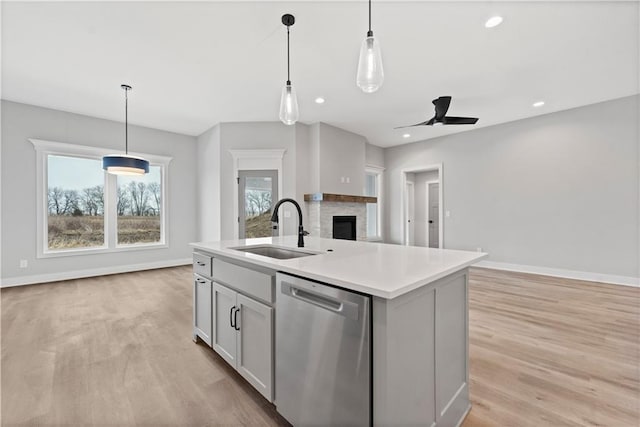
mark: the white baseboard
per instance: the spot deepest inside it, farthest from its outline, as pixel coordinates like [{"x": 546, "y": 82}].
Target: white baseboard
[
  {"x": 78, "y": 274},
  {"x": 558, "y": 272}
]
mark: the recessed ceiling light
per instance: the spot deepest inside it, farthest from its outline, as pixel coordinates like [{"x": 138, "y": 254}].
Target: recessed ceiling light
[
  {"x": 319, "y": 100},
  {"x": 406, "y": 135},
  {"x": 494, "y": 21},
  {"x": 538, "y": 104}
]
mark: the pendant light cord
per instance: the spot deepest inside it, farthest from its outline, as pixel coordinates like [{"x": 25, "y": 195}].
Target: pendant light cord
[
  {"x": 126, "y": 121},
  {"x": 369, "y": 33},
  {"x": 288, "y": 66}
]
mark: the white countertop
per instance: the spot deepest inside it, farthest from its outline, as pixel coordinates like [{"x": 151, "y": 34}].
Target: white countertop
[{"x": 378, "y": 269}]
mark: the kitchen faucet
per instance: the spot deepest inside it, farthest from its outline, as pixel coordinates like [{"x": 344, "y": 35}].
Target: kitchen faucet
[{"x": 274, "y": 220}]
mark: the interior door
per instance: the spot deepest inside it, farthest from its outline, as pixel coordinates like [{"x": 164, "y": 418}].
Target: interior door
[
  {"x": 434, "y": 215},
  {"x": 255, "y": 344},
  {"x": 224, "y": 333},
  {"x": 410, "y": 214},
  {"x": 257, "y": 192}
]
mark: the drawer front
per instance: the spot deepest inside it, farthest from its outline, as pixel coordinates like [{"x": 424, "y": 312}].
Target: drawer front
[
  {"x": 249, "y": 282},
  {"x": 202, "y": 264}
]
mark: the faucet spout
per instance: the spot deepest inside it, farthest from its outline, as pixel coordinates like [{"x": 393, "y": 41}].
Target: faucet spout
[{"x": 274, "y": 218}]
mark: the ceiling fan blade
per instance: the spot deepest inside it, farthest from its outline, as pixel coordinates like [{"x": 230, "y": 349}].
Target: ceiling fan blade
[
  {"x": 459, "y": 120},
  {"x": 442, "y": 106},
  {"x": 427, "y": 123}
]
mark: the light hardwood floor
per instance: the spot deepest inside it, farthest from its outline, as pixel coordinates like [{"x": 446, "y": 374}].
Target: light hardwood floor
[{"x": 117, "y": 350}]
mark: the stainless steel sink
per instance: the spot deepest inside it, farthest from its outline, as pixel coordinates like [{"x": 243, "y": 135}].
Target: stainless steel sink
[{"x": 274, "y": 251}]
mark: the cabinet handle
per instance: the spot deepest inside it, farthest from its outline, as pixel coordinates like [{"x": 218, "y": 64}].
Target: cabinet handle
[
  {"x": 200, "y": 280},
  {"x": 235, "y": 319},
  {"x": 231, "y": 317},
  {"x": 201, "y": 264}
]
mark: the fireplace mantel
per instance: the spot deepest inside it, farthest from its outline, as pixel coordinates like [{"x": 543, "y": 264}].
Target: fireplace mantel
[{"x": 328, "y": 197}]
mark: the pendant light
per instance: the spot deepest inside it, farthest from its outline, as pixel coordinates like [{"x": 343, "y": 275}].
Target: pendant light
[
  {"x": 119, "y": 164},
  {"x": 370, "y": 73},
  {"x": 288, "y": 101}
]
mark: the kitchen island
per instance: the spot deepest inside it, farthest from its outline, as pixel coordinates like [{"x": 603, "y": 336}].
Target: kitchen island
[{"x": 418, "y": 313}]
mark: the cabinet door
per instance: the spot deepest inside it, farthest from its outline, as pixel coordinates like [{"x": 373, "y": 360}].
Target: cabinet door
[
  {"x": 224, "y": 334},
  {"x": 202, "y": 308},
  {"x": 255, "y": 344}
]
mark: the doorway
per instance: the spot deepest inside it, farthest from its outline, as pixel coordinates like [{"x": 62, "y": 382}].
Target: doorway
[
  {"x": 257, "y": 192},
  {"x": 422, "y": 206}
]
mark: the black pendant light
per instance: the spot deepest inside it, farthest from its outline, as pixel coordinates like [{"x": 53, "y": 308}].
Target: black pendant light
[
  {"x": 119, "y": 164},
  {"x": 370, "y": 73},
  {"x": 288, "y": 101}
]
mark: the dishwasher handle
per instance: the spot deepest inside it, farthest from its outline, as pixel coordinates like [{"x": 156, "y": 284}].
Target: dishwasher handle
[{"x": 344, "y": 308}]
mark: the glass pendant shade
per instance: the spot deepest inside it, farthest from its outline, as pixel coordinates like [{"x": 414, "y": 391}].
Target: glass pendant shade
[
  {"x": 289, "y": 105},
  {"x": 370, "y": 72},
  {"x": 123, "y": 164}
]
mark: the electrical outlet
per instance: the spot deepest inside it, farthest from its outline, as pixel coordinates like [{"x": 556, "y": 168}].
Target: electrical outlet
[
  {"x": 478, "y": 249},
  {"x": 342, "y": 179},
  {"x": 24, "y": 263},
  {"x": 287, "y": 213},
  {"x": 447, "y": 214},
  {"x": 348, "y": 180}
]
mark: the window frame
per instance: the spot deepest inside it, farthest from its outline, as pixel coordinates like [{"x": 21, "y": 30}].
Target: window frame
[
  {"x": 378, "y": 172},
  {"x": 43, "y": 150}
]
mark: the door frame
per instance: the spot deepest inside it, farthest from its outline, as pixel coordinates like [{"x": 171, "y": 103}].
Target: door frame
[
  {"x": 428, "y": 210},
  {"x": 403, "y": 196},
  {"x": 267, "y": 159},
  {"x": 408, "y": 184}
]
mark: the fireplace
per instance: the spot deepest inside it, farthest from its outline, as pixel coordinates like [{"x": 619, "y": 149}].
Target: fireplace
[{"x": 344, "y": 227}]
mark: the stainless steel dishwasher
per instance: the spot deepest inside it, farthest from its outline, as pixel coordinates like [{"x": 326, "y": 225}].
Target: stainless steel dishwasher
[{"x": 323, "y": 354}]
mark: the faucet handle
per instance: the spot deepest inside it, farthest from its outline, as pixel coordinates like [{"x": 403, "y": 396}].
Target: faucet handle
[{"x": 305, "y": 233}]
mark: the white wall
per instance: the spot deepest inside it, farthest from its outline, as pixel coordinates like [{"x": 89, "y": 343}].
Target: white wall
[
  {"x": 557, "y": 191},
  {"x": 20, "y": 122}
]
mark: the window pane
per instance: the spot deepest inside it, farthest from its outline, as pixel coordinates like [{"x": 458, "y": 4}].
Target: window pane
[
  {"x": 371, "y": 189},
  {"x": 370, "y": 185},
  {"x": 139, "y": 207},
  {"x": 258, "y": 197},
  {"x": 372, "y": 219},
  {"x": 75, "y": 200}
]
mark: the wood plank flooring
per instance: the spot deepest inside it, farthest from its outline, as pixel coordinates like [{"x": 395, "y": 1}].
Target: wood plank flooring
[
  {"x": 117, "y": 350},
  {"x": 546, "y": 351}
]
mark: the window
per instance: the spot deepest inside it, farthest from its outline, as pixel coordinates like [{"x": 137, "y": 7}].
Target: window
[
  {"x": 373, "y": 183},
  {"x": 82, "y": 209}
]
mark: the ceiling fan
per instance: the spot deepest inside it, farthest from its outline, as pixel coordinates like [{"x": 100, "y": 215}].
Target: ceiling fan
[{"x": 442, "y": 106}]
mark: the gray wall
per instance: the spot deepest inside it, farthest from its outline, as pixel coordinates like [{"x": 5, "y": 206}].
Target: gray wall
[
  {"x": 208, "y": 185},
  {"x": 256, "y": 135},
  {"x": 20, "y": 122},
  {"x": 374, "y": 155},
  {"x": 558, "y": 190},
  {"x": 316, "y": 157},
  {"x": 340, "y": 154}
]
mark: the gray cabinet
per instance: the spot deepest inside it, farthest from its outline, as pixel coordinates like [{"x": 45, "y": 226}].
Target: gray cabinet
[
  {"x": 202, "y": 308},
  {"x": 224, "y": 332},
  {"x": 232, "y": 313},
  {"x": 243, "y": 336}
]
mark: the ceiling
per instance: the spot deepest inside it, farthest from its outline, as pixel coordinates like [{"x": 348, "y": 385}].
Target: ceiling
[{"x": 193, "y": 65}]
